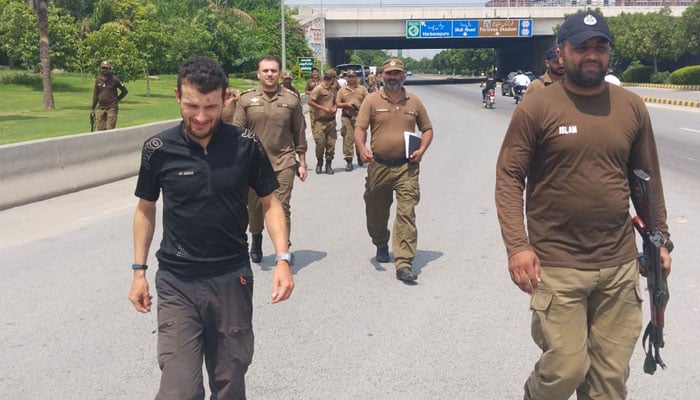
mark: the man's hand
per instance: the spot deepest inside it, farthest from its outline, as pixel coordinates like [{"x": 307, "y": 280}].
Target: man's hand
[
  {"x": 282, "y": 282},
  {"x": 665, "y": 261},
  {"x": 416, "y": 156},
  {"x": 302, "y": 172},
  {"x": 524, "y": 268},
  {"x": 139, "y": 294}
]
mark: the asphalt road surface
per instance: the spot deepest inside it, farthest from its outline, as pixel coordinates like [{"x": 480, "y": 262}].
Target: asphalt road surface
[{"x": 350, "y": 330}]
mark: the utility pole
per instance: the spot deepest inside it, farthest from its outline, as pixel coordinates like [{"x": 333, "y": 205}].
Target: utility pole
[{"x": 284, "y": 39}]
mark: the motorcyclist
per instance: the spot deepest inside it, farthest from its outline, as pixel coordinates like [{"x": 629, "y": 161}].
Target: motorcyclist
[
  {"x": 487, "y": 84},
  {"x": 520, "y": 83}
]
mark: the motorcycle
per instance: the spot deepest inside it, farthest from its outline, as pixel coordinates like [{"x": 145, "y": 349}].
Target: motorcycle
[
  {"x": 518, "y": 93},
  {"x": 490, "y": 99}
]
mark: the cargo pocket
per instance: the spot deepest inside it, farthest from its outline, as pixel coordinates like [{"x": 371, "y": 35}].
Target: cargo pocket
[
  {"x": 240, "y": 346},
  {"x": 167, "y": 342},
  {"x": 540, "y": 302}
]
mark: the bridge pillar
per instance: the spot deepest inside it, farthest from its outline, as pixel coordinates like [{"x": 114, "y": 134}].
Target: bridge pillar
[{"x": 527, "y": 57}]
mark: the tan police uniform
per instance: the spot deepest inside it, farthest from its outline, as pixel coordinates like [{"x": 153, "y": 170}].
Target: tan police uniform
[
  {"x": 539, "y": 83},
  {"x": 390, "y": 171},
  {"x": 230, "y": 105},
  {"x": 279, "y": 123},
  {"x": 354, "y": 96},
  {"x": 311, "y": 83},
  {"x": 324, "y": 127}
]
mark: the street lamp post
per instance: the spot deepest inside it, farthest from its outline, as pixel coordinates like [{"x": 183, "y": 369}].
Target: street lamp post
[{"x": 284, "y": 38}]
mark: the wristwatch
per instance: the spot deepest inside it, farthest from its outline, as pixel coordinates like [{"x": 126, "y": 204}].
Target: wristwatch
[
  {"x": 139, "y": 266},
  {"x": 668, "y": 244},
  {"x": 284, "y": 257}
]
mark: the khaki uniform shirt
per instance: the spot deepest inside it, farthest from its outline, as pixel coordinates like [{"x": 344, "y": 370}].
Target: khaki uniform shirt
[
  {"x": 539, "y": 83},
  {"x": 351, "y": 95},
  {"x": 325, "y": 98},
  {"x": 389, "y": 121},
  {"x": 104, "y": 95},
  {"x": 574, "y": 153},
  {"x": 278, "y": 122}
]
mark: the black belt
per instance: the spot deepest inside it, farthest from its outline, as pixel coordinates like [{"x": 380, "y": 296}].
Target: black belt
[
  {"x": 352, "y": 117},
  {"x": 390, "y": 162},
  {"x": 325, "y": 119}
]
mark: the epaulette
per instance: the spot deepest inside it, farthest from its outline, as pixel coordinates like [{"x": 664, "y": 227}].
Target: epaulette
[{"x": 247, "y": 91}]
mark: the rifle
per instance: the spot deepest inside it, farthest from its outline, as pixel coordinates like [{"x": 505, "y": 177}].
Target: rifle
[
  {"x": 92, "y": 122},
  {"x": 650, "y": 267}
]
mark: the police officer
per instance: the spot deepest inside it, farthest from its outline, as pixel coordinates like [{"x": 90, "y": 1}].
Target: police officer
[
  {"x": 554, "y": 73},
  {"x": 287, "y": 79},
  {"x": 349, "y": 99},
  {"x": 105, "y": 97},
  {"x": 562, "y": 196},
  {"x": 322, "y": 99},
  {"x": 389, "y": 113},
  {"x": 232, "y": 97},
  {"x": 274, "y": 113}
]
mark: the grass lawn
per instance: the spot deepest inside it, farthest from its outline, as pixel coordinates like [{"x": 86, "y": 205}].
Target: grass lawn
[{"x": 23, "y": 118}]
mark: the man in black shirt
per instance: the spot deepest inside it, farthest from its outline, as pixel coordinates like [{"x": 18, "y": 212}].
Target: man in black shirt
[
  {"x": 488, "y": 83},
  {"x": 204, "y": 282}
]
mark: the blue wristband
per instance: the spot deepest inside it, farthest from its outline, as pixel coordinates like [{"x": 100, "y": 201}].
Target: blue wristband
[{"x": 139, "y": 266}]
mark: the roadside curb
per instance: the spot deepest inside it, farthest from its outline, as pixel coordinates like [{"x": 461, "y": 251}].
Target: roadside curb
[
  {"x": 662, "y": 86},
  {"x": 684, "y": 103}
]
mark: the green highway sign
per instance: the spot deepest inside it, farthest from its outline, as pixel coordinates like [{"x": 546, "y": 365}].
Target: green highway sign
[{"x": 305, "y": 64}]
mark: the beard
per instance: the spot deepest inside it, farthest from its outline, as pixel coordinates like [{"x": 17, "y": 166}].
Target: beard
[
  {"x": 198, "y": 134},
  {"x": 577, "y": 75},
  {"x": 558, "y": 71},
  {"x": 393, "y": 85}
]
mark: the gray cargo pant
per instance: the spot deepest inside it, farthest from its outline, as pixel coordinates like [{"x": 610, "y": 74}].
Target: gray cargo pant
[{"x": 206, "y": 317}]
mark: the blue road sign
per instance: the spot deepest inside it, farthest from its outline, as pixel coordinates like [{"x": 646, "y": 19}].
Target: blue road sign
[
  {"x": 465, "y": 28},
  {"x": 436, "y": 28}
]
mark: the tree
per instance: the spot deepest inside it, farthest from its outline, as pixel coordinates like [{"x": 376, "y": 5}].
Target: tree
[
  {"x": 652, "y": 36},
  {"x": 690, "y": 25},
  {"x": 42, "y": 11}
]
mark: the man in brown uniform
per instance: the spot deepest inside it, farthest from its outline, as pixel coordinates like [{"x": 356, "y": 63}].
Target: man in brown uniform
[
  {"x": 311, "y": 83},
  {"x": 105, "y": 97},
  {"x": 554, "y": 73},
  {"x": 322, "y": 100},
  {"x": 287, "y": 79},
  {"x": 349, "y": 100},
  {"x": 232, "y": 97},
  {"x": 574, "y": 145},
  {"x": 390, "y": 112},
  {"x": 274, "y": 113}
]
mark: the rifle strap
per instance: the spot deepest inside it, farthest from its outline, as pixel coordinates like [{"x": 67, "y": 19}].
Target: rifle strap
[{"x": 649, "y": 361}]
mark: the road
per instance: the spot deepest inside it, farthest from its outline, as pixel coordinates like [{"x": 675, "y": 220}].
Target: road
[{"x": 351, "y": 330}]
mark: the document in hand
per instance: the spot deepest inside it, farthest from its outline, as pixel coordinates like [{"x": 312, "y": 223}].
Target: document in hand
[{"x": 412, "y": 142}]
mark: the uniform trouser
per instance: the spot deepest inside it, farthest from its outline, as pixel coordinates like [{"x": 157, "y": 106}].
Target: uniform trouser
[
  {"x": 347, "y": 132},
  {"x": 325, "y": 135},
  {"x": 256, "y": 216},
  {"x": 382, "y": 181},
  {"x": 106, "y": 118},
  {"x": 208, "y": 317},
  {"x": 587, "y": 323}
]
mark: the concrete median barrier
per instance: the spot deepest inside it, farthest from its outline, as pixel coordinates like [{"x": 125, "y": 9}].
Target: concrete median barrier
[{"x": 42, "y": 169}]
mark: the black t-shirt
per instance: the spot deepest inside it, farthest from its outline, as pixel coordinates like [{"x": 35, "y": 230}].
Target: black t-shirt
[
  {"x": 489, "y": 83},
  {"x": 205, "y": 194}
]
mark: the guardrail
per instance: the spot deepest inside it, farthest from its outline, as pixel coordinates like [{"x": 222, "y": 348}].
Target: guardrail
[{"x": 41, "y": 169}]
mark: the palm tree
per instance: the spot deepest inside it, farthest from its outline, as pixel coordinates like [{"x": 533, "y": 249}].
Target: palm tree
[{"x": 41, "y": 8}]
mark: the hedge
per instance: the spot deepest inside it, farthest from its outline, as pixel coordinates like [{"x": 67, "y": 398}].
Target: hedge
[{"x": 685, "y": 76}]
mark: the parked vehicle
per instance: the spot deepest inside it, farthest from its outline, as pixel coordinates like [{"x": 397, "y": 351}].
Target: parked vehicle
[
  {"x": 490, "y": 99},
  {"x": 362, "y": 71}
]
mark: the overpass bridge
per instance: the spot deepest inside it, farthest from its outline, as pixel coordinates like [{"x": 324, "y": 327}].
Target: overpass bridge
[{"x": 331, "y": 32}]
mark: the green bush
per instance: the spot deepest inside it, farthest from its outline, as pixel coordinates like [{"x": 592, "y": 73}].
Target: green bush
[
  {"x": 19, "y": 78},
  {"x": 659, "y": 77},
  {"x": 685, "y": 76},
  {"x": 638, "y": 74}
]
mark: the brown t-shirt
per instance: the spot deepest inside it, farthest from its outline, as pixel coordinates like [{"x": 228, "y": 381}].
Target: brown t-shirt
[
  {"x": 574, "y": 152},
  {"x": 104, "y": 95},
  {"x": 390, "y": 120},
  {"x": 351, "y": 95},
  {"x": 539, "y": 83},
  {"x": 278, "y": 121}
]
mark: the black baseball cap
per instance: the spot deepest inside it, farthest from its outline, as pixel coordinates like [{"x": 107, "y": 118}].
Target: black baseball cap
[
  {"x": 552, "y": 54},
  {"x": 583, "y": 26}
]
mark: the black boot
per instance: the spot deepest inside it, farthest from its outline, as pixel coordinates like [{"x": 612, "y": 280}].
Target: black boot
[
  {"x": 319, "y": 166},
  {"x": 256, "y": 248},
  {"x": 329, "y": 169},
  {"x": 348, "y": 164}
]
